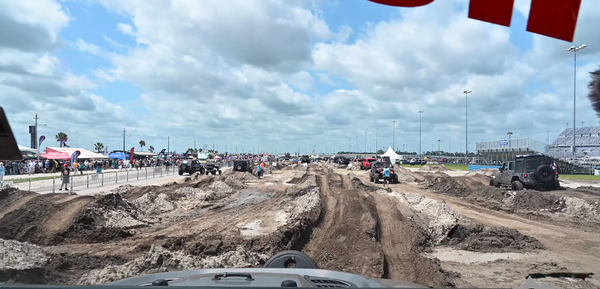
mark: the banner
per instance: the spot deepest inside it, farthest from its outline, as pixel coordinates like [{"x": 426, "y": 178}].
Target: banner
[
  {"x": 131, "y": 153},
  {"x": 161, "y": 153},
  {"x": 42, "y": 138},
  {"x": 74, "y": 157},
  {"x": 62, "y": 142}
]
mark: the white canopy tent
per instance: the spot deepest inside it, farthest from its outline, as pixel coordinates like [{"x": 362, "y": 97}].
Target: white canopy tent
[
  {"x": 26, "y": 149},
  {"x": 392, "y": 155}
]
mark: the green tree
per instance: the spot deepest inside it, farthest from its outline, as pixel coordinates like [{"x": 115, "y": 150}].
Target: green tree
[
  {"x": 142, "y": 145},
  {"x": 99, "y": 147},
  {"x": 380, "y": 152},
  {"x": 287, "y": 155},
  {"x": 151, "y": 149},
  {"x": 60, "y": 136}
]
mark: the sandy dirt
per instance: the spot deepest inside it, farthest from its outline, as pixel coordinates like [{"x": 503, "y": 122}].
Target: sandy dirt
[{"x": 438, "y": 228}]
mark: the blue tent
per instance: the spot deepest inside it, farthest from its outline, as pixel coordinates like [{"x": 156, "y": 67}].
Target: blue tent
[{"x": 119, "y": 155}]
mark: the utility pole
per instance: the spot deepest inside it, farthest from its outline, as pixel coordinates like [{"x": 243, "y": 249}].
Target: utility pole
[
  {"x": 35, "y": 141},
  {"x": 349, "y": 145},
  {"x": 124, "y": 131},
  {"x": 168, "y": 144},
  {"x": 365, "y": 142},
  {"x": 439, "y": 151},
  {"x": 509, "y": 140}
]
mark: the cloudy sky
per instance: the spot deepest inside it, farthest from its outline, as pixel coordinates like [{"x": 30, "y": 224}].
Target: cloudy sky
[{"x": 281, "y": 75}]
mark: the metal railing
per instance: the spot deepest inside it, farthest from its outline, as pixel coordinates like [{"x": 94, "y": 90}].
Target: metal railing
[{"x": 93, "y": 180}]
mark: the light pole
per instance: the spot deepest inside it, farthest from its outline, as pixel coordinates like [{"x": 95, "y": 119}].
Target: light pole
[
  {"x": 356, "y": 143},
  {"x": 574, "y": 49},
  {"x": 365, "y": 142},
  {"x": 376, "y": 134},
  {"x": 349, "y": 145},
  {"x": 394, "y": 137},
  {"x": 439, "y": 151},
  {"x": 420, "y": 126},
  {"x": 466, "y": 92},
  {"x": 509, "y": 141}
]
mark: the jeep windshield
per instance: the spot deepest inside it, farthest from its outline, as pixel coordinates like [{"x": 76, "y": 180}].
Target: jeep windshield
[
  {"x": 381, "y": 165},
  {"x": 532, "y": 164}
]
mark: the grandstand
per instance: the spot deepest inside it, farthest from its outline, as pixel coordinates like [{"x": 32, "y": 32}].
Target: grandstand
[
  {"x": 587, "y": 144},
  {"x": 503, "y": 150}
]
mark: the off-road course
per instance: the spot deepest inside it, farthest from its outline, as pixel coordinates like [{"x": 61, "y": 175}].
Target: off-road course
[{"x": 433, "y": 229}]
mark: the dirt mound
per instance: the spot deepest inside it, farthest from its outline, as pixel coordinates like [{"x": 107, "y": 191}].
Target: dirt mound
[
  {"x": 234, "y": 182},
  {"x": 21, "y": 262},
  {"x": 159, "y": 259},
  {"x": 152, "y": 204},
  {"x": 108, "y": 218},
  {"x": 477, "y": 238},
  {"x": 441, "y": 219},
  {"x": 299, "y": 179},
  {"x": 360, "y": 185},
  {"x": 433, "y": 168},
  {"x": 445, "y": 185},
  {"x": 484, "y": 172},
  {"x": 194, "y": 177},
  {"x": 587, "y": 189}
]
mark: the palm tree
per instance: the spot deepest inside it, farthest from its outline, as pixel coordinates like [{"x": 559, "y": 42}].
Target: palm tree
[
  {"x": 151, "y": 149},
  {"x": 142, "y": 145},
  {"x": 60, "y": 136},
  {"x": 99, "y": 147},
  {"x": 595, "y": 91}
]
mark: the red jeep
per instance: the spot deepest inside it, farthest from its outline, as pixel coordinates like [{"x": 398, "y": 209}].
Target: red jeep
[{"x": 366, "y": 163}]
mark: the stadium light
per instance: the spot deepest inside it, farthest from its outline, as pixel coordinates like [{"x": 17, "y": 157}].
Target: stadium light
[
  {"x": 574, "y": 49},
  {"x": 420, "y": 114},
  {"x": 466, "y": 92}
]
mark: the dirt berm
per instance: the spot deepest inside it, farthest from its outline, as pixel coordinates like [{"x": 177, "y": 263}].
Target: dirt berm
[
  {"x": 195, "y": 224},
  {"x": 580, "y": 211}
]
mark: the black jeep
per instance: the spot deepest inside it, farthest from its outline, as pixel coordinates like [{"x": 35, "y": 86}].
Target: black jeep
[
  {"x": 212, "y": 168},
  {"x": 527, "y": 171},
  {"x": 305, "y": 159},
  {"x": 377, "y": 172},
  {"x": 190, "y": 167},
  {"x": 242, "y": 166}
]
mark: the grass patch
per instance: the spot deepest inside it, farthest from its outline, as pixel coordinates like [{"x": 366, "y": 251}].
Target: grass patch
[
  {"x": 458, "y": 167},
  {"x": 18, "y": 181},
  {"x": 580, "y": 177}
]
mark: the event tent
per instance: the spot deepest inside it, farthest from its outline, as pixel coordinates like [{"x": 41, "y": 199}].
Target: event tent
[
  {"x": 119, "y": 155},
  {"x": 392, "y": 155},
  {"x": 85, "y": 154},
  {"x": 56, "y": 155}
]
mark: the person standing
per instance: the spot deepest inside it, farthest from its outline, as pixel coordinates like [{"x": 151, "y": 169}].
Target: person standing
[
  {"x": 2, "y": 172},
  {"x": 259, "y": 171},
  {"x": 65, "y": 177},
  {"x": 386, "y": 176}
]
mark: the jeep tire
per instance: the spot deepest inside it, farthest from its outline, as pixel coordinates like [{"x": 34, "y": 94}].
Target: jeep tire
[
  {"x": 517, "y": 186},
  {"x": 238, "y": 168},
  {"x": 180, "y": 172}
]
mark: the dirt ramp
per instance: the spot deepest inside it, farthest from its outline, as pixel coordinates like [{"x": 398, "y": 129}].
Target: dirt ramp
[
  {"x": 478, "y": 238},
  {"x": 43, "y": 218}
]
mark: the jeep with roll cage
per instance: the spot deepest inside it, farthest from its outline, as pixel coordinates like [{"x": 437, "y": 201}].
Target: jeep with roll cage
[{"x": 527, "y": 171}]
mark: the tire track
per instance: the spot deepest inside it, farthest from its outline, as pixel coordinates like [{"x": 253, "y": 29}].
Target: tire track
[
  {"x": 347, "y": 239},
  {"x": 403, "y": 242}
]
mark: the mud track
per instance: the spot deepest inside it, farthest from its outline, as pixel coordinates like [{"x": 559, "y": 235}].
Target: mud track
[{"x": 365, "y": 232}]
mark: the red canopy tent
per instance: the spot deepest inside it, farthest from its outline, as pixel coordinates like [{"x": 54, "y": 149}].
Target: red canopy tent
[{"x": 56, "y": 155}]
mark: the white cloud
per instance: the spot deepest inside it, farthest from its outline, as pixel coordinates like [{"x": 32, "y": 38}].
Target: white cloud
[{"x": 251, "y": 73}]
